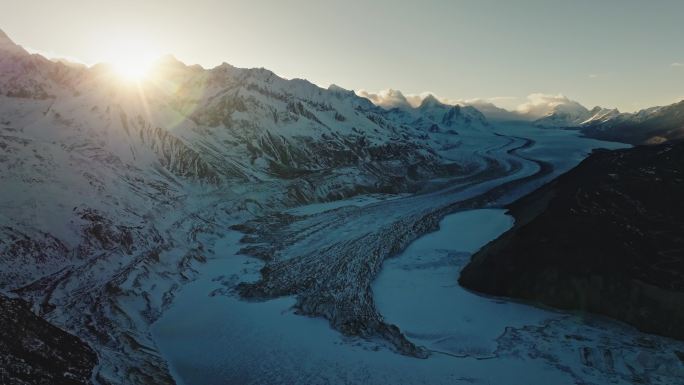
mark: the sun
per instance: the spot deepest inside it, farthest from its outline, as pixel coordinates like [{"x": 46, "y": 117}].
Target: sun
[
  {"x": 133, "y": 67},
  {"x": 132, "y": 60}
]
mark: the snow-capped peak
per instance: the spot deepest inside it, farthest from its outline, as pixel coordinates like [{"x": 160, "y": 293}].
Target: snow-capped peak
[
  {"x": 566, "y": 114},
  {"x": 600, "y": 114},
  {"x": 336, "y": 88},
  {"x": 387, "y": 99},
  {"x": 430, "y": 101}
]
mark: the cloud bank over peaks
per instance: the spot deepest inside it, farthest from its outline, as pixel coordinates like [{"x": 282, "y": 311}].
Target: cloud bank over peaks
[
  {"x": 533, "y": 107},
  {"x": 390, "y": 98},
  {"x": 539, "y": 105}
]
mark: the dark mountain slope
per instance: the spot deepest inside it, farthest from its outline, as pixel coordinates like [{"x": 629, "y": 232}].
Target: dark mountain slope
[
  {"x": 34, "y": 352},
  {"x": 607, "y": 237}
]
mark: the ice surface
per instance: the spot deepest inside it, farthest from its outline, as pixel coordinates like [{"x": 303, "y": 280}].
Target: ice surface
[
  {"x": 418, "y": 291},
  {"x": 218, "y": 339},
  {"x": 358, "y": 201}
]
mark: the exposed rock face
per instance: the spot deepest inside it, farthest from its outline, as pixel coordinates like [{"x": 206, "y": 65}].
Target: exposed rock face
[
  {"x": 607, "y": 237},
  {"x": 34, "y": 352}
]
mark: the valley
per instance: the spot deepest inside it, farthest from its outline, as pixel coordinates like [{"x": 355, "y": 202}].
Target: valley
[
  {"x": 455, "y": 336},
  {"x": 224, "y": 224}
]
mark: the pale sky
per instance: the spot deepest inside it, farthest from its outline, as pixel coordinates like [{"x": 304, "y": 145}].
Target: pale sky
[{"x": 614, "y": 53}]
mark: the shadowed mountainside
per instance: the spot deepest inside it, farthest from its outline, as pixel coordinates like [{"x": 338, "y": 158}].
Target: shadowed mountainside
[
  {"x": 32, "y": 351},
  {"x": 605, "y": 237},
  {"x": 649, "y": 126}
]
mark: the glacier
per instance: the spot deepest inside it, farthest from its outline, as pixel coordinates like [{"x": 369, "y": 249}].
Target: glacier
[{"x": 228, "y": 223}]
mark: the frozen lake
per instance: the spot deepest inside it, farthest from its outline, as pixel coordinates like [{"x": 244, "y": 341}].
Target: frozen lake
[{"x": 219, "y": 339}]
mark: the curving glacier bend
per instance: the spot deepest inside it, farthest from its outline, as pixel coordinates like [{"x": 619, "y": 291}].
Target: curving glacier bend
[{"x": 123, "y": 205}]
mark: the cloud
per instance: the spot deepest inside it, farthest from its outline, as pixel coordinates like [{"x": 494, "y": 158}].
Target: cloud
[
  {"x": 677, "y": 65},
  {"x": 602, "y": 75},
  {"x": 502, "y": 99},
  {"x": 386, "y": 98},
  {"x": 500, "y": 102},
  {"x": 490, "y": 107},
  {"x": 535, "y": 106},
  {"x": 390, "y": 98},
  {"x": 539, "y": 104}
]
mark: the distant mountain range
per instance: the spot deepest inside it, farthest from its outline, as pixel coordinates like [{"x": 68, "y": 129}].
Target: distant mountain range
[
  {"x": 648, "y": 126},
  {"x": 651, "y": 125}
]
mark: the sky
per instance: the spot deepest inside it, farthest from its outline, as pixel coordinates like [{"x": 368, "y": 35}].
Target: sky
[{"x": 614, "y": 53}]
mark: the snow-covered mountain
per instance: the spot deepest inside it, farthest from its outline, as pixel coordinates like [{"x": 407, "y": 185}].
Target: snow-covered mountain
[
  {"x": 428, "y": 112},
  {"x": 436, "y": 117},
  {"x": 112, "y": 192},
  {"x": 647, "y": 126},
  {"x": 494, "y": 113},
  {"x": 565, "y": 115},
  {"x": 394, "y": 99},
  {"x": 600, "y": 115},
  {"x": 546, "y": 111}
]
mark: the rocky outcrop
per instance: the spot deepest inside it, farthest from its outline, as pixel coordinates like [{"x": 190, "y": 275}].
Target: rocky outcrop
[
  {"x": 605, "y": 238},
  {"x": 34, "y": 352}
]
